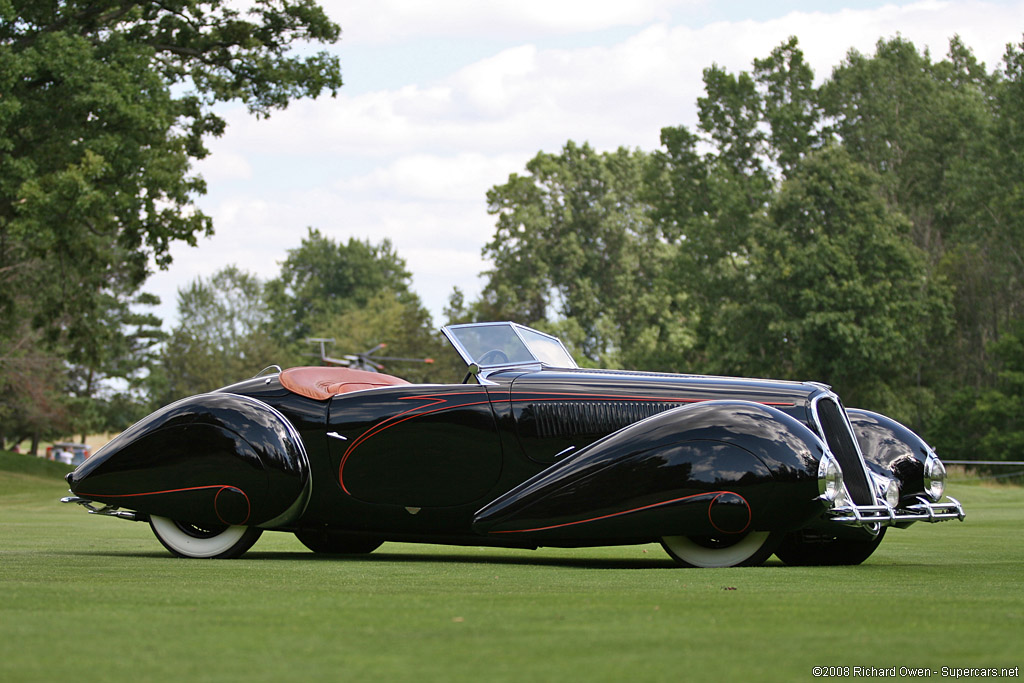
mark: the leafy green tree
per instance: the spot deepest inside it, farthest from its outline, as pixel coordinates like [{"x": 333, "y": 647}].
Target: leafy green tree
[
  {"x": 730, "y": 114},
  {"x": 865, "y": 232},
  {"x": 33, "y": 405},
  {"x": 710, "y": 204},
  {"x": 943, "y": 137},
  {"x": 992, "y": 233},
  {"x": 222, "y": 336},
  {"x": 233, "y": 324},
  {"x": 359, "y": 294},
  {"x": 322, "y": 278},
  {"x": 841, "y": 294},
  {"x": 105, "y": 105},
  {"x": 404, "y": 330},
  {"x": 923, "y": 126},
  {"x": 789, "y": 105},
  {"x": 575, "y": 250},
  {"x": 987, "y": 423}
]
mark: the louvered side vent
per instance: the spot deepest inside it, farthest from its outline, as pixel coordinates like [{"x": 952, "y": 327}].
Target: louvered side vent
[
  {"x": 840, "y": 442},
  {"x": 569, "y": 418}
]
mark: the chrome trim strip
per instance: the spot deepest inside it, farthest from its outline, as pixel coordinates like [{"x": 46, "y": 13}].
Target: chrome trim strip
[
  {"x": 485, "y": 373},
  {"x": 849, "y": 427},
  {"x": 275, "y": 369}
]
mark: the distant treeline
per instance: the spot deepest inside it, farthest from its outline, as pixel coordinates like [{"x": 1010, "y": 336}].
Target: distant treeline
[{"x": 867, "y": 232}]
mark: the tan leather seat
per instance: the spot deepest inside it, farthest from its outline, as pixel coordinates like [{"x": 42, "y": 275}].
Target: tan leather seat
[{"x": 323, "y": 383}]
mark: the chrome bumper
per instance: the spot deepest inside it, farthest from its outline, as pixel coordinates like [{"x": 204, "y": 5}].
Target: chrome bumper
[
  {"x": 106, "y": 510},
  {"x": 921, "y": 511}
]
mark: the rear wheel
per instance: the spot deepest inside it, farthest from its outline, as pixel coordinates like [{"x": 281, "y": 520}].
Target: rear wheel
[
  {"x": 324, "y": 541},
  {"x": 746, "y": 550},
  {"x": 802, "y": 548},
  {"x": 203, "y": 541}
]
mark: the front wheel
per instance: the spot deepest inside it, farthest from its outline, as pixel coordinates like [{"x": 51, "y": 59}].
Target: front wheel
[
  {"x": 203, "y": 541},
  {"x": 748, "y": 550},
  {"x": 802, "y": 548},
  {"x": 324, "y": 541}
]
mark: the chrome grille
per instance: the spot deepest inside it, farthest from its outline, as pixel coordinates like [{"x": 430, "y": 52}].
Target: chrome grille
[{"x": 840, "y": 440}]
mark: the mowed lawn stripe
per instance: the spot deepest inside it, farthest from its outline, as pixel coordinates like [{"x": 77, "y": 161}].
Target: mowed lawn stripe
[{"x": 98, "y": 597}]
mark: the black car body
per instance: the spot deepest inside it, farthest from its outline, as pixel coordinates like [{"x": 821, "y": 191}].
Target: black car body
[{"x": 529, "y": 451}]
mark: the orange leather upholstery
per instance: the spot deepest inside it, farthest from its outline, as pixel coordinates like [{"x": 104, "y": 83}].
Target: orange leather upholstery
[{"x": 322, "y": 383}]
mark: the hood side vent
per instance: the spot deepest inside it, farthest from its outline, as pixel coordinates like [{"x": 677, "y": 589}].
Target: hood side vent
[{"x": 571, "y": 418}]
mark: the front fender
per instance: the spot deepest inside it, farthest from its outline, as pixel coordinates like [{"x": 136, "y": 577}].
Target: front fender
[
  {"x": 891, "y": 448},
  {"x": 712, "y": 468},
  {"x": 210, "y": 459}
]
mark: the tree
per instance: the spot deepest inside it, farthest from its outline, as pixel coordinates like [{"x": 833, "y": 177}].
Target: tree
[
  {"x": 106, "y": 377},
  {"x": 222, "y": 336},
  {"x": 32, "y": 403},
  {"x": 711, "y": 205},
  {"x": 923, "y": 126},
  {"x": 987, "y": 423},
  {"x": 105, "y": 104},
  {"x": 943, "y": 137},
  {"x": 403, "y": 328},
  {"x": 233, "y": 324},
  {"x": 575, "y": 250},
  {"x": 864, "y": 233},
  {"x": 789, "y": 105},
  {"x": 359, "y": 294},
  {"x": 840, "y": 293},
  {"x": 322, "y": 278},
  {"x": 996, "y": 223}
]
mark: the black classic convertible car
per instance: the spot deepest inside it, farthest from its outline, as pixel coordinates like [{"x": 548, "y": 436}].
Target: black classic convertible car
[{"x": 528, "y": 451}]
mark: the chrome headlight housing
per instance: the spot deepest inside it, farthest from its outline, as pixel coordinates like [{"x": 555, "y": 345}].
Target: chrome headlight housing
[
  {"x": 830, "y": 478},
  {"x": 934, "y": 477},
  {"x": 892, "y": 493},
  {"x": 886, "y": 489}
]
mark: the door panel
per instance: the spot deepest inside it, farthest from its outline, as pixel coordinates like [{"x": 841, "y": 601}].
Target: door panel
[{"x": 416, "y": 446}]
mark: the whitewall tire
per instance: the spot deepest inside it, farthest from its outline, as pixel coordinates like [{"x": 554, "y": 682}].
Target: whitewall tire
[
  {"x": 748, "y": 550},
  {"x": 190, "y": 540}
]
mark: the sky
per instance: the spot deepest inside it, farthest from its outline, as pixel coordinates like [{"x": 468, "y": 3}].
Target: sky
[{"x": 444, "y": 99}]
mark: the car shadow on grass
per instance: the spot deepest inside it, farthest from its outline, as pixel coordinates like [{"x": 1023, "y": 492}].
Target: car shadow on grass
[
  {"x": 470, "y": 557},
  {"x": 489, "y": 558},
  {"x": 546, "y": 560},
  {"x": 414, "y": 558}
]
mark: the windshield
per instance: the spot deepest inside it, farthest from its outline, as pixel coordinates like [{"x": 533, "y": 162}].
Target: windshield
[{"x": 491, "y": 344}]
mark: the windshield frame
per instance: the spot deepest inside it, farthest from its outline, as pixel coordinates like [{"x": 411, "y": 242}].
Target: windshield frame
[{"x": 544, "y": 350}]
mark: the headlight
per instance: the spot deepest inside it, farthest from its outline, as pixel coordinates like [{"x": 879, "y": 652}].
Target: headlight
[
  {"x": 886, "y": 489},
  {"x": 892, "y": 493},
  {"x": 830, "y": 478},
  {"x": 934, "y": 477}
]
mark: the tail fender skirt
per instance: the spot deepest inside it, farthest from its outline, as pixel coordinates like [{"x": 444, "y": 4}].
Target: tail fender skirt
[{"x": 211, "y": 459}]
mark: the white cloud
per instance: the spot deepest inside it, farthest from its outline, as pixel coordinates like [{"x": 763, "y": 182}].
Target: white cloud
[
  {"x": 390, "y": 21},
  {"x": 461, "y": 179},
  {"x": 413, "y": 163},
  {"x": 228, "y": 165}
]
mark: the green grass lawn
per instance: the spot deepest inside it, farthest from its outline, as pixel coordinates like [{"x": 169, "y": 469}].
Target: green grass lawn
[{"x": 84, "y": 596}]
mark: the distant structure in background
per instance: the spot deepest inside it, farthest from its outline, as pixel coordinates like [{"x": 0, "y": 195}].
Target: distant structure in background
[{"x": 361, "y": 361}]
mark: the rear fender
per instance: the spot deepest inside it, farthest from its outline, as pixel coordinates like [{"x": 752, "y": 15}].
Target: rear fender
[
  {"x": 712, "y": 468},
  {"x": 210, "y": 459}
]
